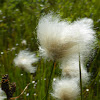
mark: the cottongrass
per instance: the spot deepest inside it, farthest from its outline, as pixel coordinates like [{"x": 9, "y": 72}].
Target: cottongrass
[
  {"x": 86, "y": 39},
  {"x": 70, "y": 68},
  {"x": 59, "y": 39},
  {"x": 2, "y": 95},
  {"x": 65, "y": 89},
  {"x": 24, "y": 42},
  {"x": 66, "y": 41},
  {"x": 25, "y": 59},
  {"x": 52, "y": 36}
]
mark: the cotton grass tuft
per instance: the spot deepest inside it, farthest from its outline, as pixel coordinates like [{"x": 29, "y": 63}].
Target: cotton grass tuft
[
  {"x": 66, "y": 41},
  {"x": 59, "y": 39},
  {"x": 70, "y": 69},
  {"x": 24, "y": 42},
  {"x": 2, "y": 95},
  {"x": 52, "y": 36},
  {"x": 86, "y": 38},
  {"x": 25, "y": 59},
  {"x": 65, "y": 89}
]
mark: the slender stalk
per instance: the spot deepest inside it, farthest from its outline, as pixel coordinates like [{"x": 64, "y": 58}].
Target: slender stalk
[
  {"x": 31, "y": 78},
  {"x": 80, "y": 76},
  {"x": 21, "y": 93},
  {"x": 49, "y": 81}
]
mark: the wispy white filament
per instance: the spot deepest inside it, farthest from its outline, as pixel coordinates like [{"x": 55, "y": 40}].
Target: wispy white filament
[
  {"x": 25, "y": 59},
  {"x": 65, "y": 89},
  {"x": 2, "y": 95}
]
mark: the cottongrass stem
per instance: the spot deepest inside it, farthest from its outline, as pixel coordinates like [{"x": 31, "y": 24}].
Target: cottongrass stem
[
  {"x": 80, "y": 77},
  {"x": 46, "y": 98}
]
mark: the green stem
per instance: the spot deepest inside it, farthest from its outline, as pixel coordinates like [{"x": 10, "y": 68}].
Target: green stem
[
  {"x": 80, "y": 76},
  {"x": 49, "y": 81}
]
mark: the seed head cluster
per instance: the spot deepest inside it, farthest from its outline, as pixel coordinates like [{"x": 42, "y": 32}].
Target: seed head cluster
[
  {"x": 65, "y": 41},
  {"x": 25, "y": 59}
]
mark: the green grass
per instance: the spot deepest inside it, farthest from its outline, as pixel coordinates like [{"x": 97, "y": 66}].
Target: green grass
[{"x": 18, "y": 21}]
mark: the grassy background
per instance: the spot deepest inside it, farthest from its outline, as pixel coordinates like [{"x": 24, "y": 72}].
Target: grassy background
[{"x": 18, "y": 21}]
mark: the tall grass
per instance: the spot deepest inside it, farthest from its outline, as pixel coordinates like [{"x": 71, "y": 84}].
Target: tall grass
[
  {"x": 80, "y": 74},
  {"x": 18, "y": 21}
]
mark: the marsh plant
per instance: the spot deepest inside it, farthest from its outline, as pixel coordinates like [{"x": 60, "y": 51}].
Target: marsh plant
[
  {"x": 2, "y": 95},
  {"x": 69, "y": 44},
  {"x": 65, "y": 42},
  {"x": 25, "y": 59}
]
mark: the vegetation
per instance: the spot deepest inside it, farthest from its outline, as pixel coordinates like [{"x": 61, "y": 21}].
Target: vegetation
[{"x": 18, "y": 21}]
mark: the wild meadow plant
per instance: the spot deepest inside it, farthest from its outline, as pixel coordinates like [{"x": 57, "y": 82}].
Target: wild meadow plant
[
  {"x": 69, "y": 43},
  {"x": 25, "y": 59},
  {"x": 65, "y": 89},
  {"x": 2, "y": 95},
  {"x": 64, "y": 42},
  {"x": 24, "y": 42}
]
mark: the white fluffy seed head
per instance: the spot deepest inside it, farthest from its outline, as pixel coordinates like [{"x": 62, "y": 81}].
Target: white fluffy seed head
[
  {"x": 2, "y": 95},
  {"x": 24, "y": 42},
  {"x": 60, "y": 39},
  {"x": 86, "y": 35},
  {"x": 70, "y": 68},
  {"x": 25, "y": 59},
  {"x": 52, "y": 35},
  {"x": 65, "y": 89}
]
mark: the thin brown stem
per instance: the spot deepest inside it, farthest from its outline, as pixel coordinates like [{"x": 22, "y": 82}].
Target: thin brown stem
[{"x": 21, "y": 92}]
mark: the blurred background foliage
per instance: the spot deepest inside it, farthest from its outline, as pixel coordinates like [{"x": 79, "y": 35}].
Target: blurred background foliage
[{"x": 18, "y": 21}]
